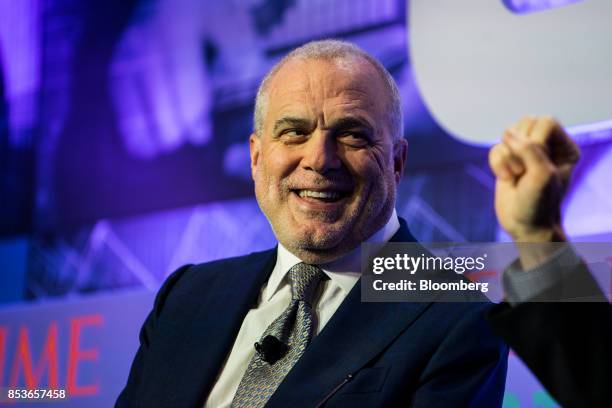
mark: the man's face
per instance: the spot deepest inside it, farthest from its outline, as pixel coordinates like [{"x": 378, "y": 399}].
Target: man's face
[{"x": 325, "y": 166}]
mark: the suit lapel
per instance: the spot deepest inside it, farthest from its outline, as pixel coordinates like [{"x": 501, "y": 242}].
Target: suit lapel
[
  {"x": 356, "y": 333},
  {"x": 207, "y": 340}
]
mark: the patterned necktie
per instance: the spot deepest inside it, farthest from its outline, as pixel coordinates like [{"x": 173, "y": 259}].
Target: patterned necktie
[{"x": 293, "y": 328}]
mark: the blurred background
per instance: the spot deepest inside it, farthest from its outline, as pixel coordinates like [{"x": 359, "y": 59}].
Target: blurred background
[{"x": 124, "y": 131}]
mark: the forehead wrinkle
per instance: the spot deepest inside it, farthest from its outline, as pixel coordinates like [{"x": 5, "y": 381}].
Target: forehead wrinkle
[
  {"x": 353, "y": 92},
  {"x": 350, "y": 108},
  {"x": 287, "y": 103},
  {"x": 301, "y": 89}
]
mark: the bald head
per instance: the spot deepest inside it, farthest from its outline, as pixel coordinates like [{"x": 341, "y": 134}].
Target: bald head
[{"x": 341, "y": 53}]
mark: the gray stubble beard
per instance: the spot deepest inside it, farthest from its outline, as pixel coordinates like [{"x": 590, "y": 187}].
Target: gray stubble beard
[{"x": 309, "y": 252}]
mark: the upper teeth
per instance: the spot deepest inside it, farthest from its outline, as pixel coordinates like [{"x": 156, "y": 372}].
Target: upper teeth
[{"x": 319, "y": 194}]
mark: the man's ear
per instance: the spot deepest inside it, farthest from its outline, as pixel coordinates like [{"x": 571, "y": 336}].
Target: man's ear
[
  {"x": 254, "y": 149},
  {"x": 400, "y": 152}
]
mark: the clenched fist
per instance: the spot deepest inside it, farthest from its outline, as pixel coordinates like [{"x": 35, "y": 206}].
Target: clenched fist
[{"x": 533, "y": 164}]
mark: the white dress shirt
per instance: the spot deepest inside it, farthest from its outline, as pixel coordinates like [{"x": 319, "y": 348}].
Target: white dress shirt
[{"x": 275, "y": 297}]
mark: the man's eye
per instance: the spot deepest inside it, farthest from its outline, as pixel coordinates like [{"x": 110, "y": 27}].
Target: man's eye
[
  {"x": 292, "y": 132},
  {"x": 354, "y": 138}
]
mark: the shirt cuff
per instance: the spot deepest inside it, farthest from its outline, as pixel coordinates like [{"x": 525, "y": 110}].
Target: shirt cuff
[{"x": 522, "y": 286}]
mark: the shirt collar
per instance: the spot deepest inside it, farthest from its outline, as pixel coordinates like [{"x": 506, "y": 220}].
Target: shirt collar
[{"x": 345, "y": 271}]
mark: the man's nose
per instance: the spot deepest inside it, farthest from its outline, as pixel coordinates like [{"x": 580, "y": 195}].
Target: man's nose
[{"x": 321, "y": 153}]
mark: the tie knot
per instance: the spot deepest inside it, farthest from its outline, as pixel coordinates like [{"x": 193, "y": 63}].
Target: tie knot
[{"x": 304, "y": 280}]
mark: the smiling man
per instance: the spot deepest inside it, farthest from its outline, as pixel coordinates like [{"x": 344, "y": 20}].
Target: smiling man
[
  {"x": 286, "y": 327},
  {"x": 327, "y": 153}
]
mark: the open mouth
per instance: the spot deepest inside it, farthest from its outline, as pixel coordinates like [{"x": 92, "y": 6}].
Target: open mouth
[{"x": 327, "y": 196}]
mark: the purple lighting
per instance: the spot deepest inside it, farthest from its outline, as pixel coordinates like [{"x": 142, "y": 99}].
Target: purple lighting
[
  {"x": 158, "y": 81},
  {"x": 20, "y": 64},
  {"x": 532, "y": 6}
]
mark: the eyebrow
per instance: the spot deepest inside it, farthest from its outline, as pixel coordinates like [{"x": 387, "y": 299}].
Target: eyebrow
[
  {"x": 349, "y": 122},
  {"x": 289, "y": 121},
  {"x": 346, "y": 122}
]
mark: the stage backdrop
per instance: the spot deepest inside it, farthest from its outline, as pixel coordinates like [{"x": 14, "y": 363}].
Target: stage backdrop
[{"x": 124, "y": 155}]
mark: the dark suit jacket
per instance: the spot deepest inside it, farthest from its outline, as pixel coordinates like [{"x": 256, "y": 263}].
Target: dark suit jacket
[
  {"x": 568, "y": 346},
  {"x": 395, "y": 354}
]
